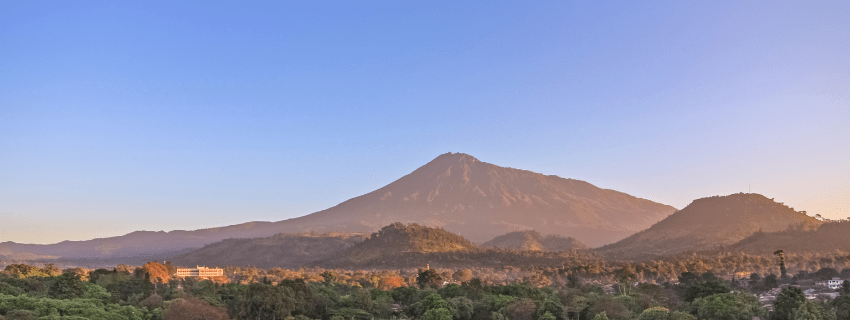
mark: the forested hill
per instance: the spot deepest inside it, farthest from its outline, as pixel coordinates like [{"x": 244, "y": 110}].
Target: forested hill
[
  {"x": 707, "y": 223},
  {"x": 282, "y": 250},
  {"x": 829, "y": 237},
  {"x": 399, "y": 246},
  {"x": 399, "y": 238},
  {"x": 534, "y": 241}
]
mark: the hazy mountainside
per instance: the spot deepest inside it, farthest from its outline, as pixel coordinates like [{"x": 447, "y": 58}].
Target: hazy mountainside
[
  {"x": 399, "y": 238},
  {"x": 408, "y": 246},
  {"x": 142, "y": 242},
  {"x": 829, "y": 237},
  {"x": 454, "y": 191},
  {"x": 281, "y": 250},
  {"x": 480, "y": 201},
  {"x": 533, "y": 241},
  {"x": 707, "y": 223}
]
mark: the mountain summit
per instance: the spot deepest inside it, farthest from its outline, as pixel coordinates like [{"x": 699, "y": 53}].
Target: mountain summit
[{"x": 479, "y": 201}]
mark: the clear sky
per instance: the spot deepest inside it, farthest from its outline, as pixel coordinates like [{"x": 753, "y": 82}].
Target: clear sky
[{"x": 118, "y": 116}]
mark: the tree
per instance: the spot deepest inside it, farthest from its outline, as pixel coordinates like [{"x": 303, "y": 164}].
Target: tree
[
  {"x": 156, "y": 273},
  {"x": 727, "y": 306},
  {"x": 21, "y": 315},
  {"x": 771, "y": 281},
  {"x": 521, "y": 309},
  {"x": 600, "y": 316},
  {"x": 781, "y": 255},
  {"x": 461, "y": 307},
  {"x": 788, "y": 300},
  {"x": 577, "y": 305},
  {"x": 429, "y": 279},
  {"x": 655, "y": 313},
  {"x": 391, "y": 282},
  {"x": 705, "y": 289},
  {"x": 329, "y": 276},
  {"x": 625, "y": 278},
  {"x": 51, "y": 270},
  {"x": 462, "y": 275},
  {"x": 194, "y": 309},
  {"x": 437, "y": 314},
  {"x": 809, "y": 310},
  {"x": 67, "y": 286},
  {"x": 841, "y": 305},
  {"x": 22, "y": 271}
]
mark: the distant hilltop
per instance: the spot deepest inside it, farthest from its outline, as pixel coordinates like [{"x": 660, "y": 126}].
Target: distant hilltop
[{"x": 708, "y": 223}]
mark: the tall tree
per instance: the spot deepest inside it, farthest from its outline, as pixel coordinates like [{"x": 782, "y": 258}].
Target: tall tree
[
  {"x": 781, "y": 255},
  {"x": 429, "y": 278},
  {"x": 788, "y": 300}
]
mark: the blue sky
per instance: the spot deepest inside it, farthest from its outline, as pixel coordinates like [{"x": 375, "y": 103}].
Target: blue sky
[{"x": 122, "y": 116}]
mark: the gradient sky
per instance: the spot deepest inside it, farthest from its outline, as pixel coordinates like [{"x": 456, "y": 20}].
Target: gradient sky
[{"x": 118, "y": 116}]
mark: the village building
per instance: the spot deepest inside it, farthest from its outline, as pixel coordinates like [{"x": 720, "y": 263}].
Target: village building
[
  {"x": 835, "y": 283},
  {"x": 200, "y": 272}
]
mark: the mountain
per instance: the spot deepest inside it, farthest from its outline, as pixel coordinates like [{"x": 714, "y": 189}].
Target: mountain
[
  {"x": 281, "y": 250},
  {"x": 479, "y": 201},
  {"x": 829, "y": 237},
  {"x": 400, "y": 246},
  {"x": 532, "y": 240},
  {"x": 454, "y": 191},
  {"x": 708, "y": 223}
]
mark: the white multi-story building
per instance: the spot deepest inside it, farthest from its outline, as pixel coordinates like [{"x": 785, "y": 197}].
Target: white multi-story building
[
  {"x": 835, "y": 283},
  {"x": 201, "y": 272}
]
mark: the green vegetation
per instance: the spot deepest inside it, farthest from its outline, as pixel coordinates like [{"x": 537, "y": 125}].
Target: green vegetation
[{"x": 148, "y": 292}]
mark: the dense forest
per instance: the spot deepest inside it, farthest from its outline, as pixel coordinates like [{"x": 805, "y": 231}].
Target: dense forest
[
  {"x": 149, "y": 292},
  {"x": 417, "y": 272}
]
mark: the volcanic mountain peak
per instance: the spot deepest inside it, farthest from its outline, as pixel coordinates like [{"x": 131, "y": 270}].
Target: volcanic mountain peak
[
  {"x": 480, "y": 200},
  {"x": 710, "y": 222}
]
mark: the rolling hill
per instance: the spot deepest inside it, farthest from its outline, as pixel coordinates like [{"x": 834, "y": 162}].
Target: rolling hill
[
  {"x": 455, "y": 191},
  {"x": 533, "y": 241},
  {"x": 708, "y": 223},
  {"x": 399, "y": 246},
  {"x": 281, "y": 250},
  {"x": 398, "y": 238}
]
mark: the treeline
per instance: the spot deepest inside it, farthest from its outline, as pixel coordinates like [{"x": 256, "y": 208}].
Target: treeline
[{"x": 148, "y": 292}]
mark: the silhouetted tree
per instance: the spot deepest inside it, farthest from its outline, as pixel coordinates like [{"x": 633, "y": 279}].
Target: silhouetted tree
[
  {"x": 429, "y": 279},
  {"x": 781, "y": 255}
]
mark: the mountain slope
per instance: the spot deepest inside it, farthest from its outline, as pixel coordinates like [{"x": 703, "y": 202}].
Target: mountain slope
[
  {"x": 398, "y": 238},
  {"x": 143, "y": 242},
  {"x": 281, "y": 250},
  {"x": 707, "y": 223},
  {"x": 532, "y": 240},
  {"x": 454, "y": 191},
  {"x": 829, "y": 237},
  {"x": 479, "y": 201}
]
